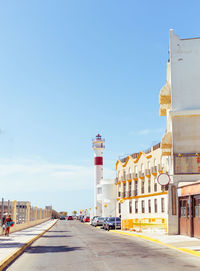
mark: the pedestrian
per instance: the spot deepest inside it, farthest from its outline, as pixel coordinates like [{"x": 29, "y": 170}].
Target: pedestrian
[
  {"x": 8, "y": 223},
  {"x": 4, "y": 222}
]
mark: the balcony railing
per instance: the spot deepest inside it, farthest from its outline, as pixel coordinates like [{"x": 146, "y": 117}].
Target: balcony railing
[
  {"x": 116, "y": 180},
  {"x": 128, "y": 193},
  {"x": 154, "y": 170},
  {"x": 122, "y": 178},
  {"x": 134, "y": 193},
  {"x": 128, "y": 176},
  {"x": 134, "y": 175},
  {"x": 160, "y": 168},
  {"x": 141, "y": 174},
  {"x": 147, "y": 172}
]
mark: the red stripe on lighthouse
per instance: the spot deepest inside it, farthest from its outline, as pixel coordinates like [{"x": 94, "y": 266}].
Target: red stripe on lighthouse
[{"x": 98, "y": 161}]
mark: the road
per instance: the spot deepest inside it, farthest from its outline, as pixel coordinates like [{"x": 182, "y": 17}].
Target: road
[{"x": 73, "y": 246}]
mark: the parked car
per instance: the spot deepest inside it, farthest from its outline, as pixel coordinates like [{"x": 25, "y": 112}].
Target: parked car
[
  {"x": 110, "y": 223},
  {"x": 70, "y": 217},
  {"x": 86, "y": 219},
  {"x": 62, "y": 217},
  {"x": 93, "y": 219},
  {"x": 98, "y": 221}
]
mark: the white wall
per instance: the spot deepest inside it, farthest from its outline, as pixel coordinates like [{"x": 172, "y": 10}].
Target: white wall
[
  {"x": 108, "y": 197},
  {"x": 185, "y": 72}
]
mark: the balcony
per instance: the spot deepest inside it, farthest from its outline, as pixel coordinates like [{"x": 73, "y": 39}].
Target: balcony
[
  {"x": 154, "y": 170},
  {"x": 147, "y": 173},
  {"x": 134, "y": 193},
  {"x": 135, "y": 176},
  {"x": 123, "y": 194},
  {"x": 128, "y": 176},
  {"x": 141, "y": 175},
  {"x": 160, "y": 168},
  {"x": 122, "y": 178},
  {"x": 128, "y": 193},
  {"x": 116, "y": 180}
]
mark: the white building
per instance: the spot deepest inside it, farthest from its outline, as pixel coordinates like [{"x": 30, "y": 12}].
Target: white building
[{"x": 180, "y": 103}]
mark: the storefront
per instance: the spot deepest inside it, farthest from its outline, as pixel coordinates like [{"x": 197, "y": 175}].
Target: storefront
[{"x": 189, "y": 209}]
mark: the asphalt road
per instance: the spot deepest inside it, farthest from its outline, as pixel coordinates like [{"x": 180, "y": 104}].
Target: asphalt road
[{"x": 73, "y": 246}]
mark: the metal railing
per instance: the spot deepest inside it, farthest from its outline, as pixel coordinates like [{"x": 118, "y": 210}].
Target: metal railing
[{"x": 147, "y": 172}]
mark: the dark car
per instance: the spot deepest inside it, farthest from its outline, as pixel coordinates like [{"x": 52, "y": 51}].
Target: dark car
[
  {"x": 70, "y": 217},
  {"x": 112, "y": 223},
  {"x": 62, "y": 217}
]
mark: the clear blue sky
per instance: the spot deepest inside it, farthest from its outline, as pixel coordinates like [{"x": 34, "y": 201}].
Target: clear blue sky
[{"x": 72, "y": 69}]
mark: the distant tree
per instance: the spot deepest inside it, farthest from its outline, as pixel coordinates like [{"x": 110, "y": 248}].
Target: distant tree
[
  {"x": 74, "y": 212},
  {"x": 63, "y": 213}
]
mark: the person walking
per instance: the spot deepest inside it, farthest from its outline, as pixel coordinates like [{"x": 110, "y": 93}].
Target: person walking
[
  {"x": 8, "y": 223},
  {"x": 4, "y": 223}
]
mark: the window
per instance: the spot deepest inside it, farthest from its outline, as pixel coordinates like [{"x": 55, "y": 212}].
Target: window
[
  {"x": 149, "y": 205},
  {"x": 124, "y": 190},
  {"x": 130, "y": 206},
  {"x": 142, "y": 206},
  {"x": 136, "y": 206},
  {"x": 136, "y": 188},
  {"x": 129, "y": 189},
  {"x": 149, "y": 185},
  {"x": 155, "y": 186},
  {"x": 119, "y": 208},
  {"x": 162, "y": 205},
  {"x": 196, "y": 207},
  {"x": 142, "y": 187},
  {"x": 155, "y": 162},
  {"x": 155, "y": 206}
]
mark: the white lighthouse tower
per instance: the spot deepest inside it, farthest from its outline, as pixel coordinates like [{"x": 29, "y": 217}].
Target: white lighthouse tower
[{"x": 98, "y": 147}]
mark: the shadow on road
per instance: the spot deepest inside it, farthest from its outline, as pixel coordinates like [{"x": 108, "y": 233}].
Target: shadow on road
[
  {"x": 58, "y": 231},
  {"x": 16, "y": 244},
  {"x": 55, "y": 236},
  {"x": 51, "y": 249}
]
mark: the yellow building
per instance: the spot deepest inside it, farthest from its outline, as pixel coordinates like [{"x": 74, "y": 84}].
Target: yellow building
[{"x": 142, "y": 202}]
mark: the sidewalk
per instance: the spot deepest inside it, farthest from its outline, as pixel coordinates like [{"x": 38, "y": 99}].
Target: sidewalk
[
  {"x": 182, "y": 243},
  {"x": 12, "y": 246}
]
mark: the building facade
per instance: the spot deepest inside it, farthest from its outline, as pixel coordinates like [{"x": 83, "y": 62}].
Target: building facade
[
  {"x": 179, "y": 102},
  {"x": 142, "y": 201}
]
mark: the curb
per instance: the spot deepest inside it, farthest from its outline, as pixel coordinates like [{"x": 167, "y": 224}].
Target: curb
[
  {"x": 184, "y": 250},
  {"x": 19, "y": 251}
]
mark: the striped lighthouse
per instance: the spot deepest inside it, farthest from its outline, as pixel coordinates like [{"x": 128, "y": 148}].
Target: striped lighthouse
[{"x": 98, "y": 147}]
